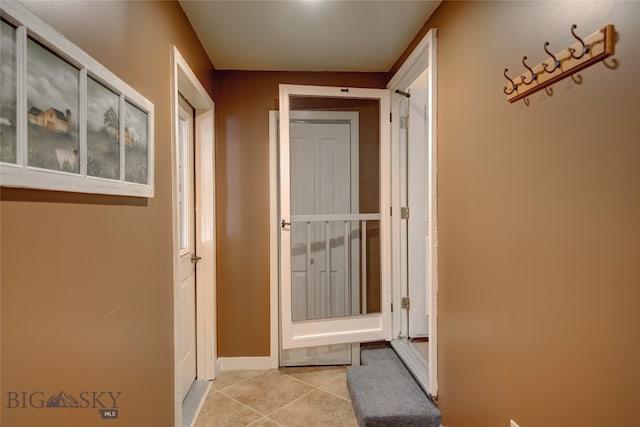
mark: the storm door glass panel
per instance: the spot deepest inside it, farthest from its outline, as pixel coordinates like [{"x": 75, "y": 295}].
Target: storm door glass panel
[
  {"x": 8, "y": 93},
  {"x": 335, "y": 207},
  {"x": 103, "y": 131},
  {"x": 52, "y": 110},
  {"x": 135, "y": 140},
  {"x": 334, "y": 239}
]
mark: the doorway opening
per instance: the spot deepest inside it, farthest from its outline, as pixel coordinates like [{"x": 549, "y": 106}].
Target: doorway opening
[{"x": 408, "y": 266}]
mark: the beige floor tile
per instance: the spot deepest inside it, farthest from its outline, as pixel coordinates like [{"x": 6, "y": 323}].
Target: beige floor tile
[
  {"x": 338, "y": 386},
  {"x": 268, "y": 392},
  {"x": 315, "y": 375},
  {"x": 219, "y": 410},
  {"x": 227, "y": 378},
  {"x": 317, "y": 409}
]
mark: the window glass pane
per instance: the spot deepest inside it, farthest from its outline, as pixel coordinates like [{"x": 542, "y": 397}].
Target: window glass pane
[
  {"x": 135, "y": 149},
  {"x": 52, "y": 110},
  {"x": 183, "y": 201},
  {"x": 103, "y": 129},
  {"x": 8, "y": 93}
]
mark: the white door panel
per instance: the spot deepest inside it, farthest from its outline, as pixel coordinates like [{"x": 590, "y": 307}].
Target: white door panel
[
  {"x": 417, "y": 190},
  {"x": 302, "y": 154}
]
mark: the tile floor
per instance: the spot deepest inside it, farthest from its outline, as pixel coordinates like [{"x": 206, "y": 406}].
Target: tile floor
[{"x": 288, "y": 397}]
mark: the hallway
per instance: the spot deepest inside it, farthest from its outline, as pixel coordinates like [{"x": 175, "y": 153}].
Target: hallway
[{"x": 289, "y": 397}]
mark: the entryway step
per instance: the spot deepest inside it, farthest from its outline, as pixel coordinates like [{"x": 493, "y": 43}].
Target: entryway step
[{"x": 384, "y": 393}]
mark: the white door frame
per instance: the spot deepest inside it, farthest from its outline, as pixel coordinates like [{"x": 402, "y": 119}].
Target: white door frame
[
  {"x": 422, "y": 58},
  {"x": 184, "y": 81},
  {"x": 274, "y": 238}
]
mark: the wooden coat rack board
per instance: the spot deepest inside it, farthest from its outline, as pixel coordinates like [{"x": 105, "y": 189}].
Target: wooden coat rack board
[{"x": 580, "y": 55}]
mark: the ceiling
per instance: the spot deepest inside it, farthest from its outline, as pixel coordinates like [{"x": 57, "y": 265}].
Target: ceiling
[{"x": 306, "y": 35}]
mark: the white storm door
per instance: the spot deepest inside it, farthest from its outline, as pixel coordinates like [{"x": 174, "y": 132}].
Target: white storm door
[
  {"x": 315, "y": 254},
  {"x": 187, "y": 262}
]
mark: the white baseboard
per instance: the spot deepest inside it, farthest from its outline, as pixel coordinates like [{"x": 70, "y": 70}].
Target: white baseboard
[{"x": 234, "y": 363}]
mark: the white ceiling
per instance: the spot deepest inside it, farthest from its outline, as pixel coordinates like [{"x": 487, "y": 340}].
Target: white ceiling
[{"x": 306, "y": 35}]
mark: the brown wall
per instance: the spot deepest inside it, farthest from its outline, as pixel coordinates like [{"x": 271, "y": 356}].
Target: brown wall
[
  {"x": 86, "y": 280},
  {"x": 242, "y": 161},
  {"x": 539, "y": 210}
]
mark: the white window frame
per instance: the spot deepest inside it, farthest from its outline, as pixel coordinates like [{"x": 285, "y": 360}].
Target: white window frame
[{"x": 20, "y": 174}]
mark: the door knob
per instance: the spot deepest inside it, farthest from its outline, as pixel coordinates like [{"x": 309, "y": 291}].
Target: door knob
[{"x": 195, "y": 258}]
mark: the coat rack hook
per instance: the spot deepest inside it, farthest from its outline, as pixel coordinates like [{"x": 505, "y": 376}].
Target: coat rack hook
[
  {"x": 580, "y": 54},
  {"x": 509, "y": 90},
  {"x": 577, "y": 78},
  {"x": 556, "y": 63},
  {"x": 534, "y": 76},
  {"x": 585, "y": 47}
]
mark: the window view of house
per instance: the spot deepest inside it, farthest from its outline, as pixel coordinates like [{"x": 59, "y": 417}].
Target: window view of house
[
  {"x": 8, "y": 93},
  {"x": 52, "y": 103}
]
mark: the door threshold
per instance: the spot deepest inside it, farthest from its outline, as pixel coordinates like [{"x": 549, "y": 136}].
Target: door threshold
[
  {"x": 413, "y": 360},
  {"x": 193, "y": 402}
]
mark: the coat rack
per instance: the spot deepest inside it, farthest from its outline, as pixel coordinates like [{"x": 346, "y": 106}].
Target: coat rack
[{"x": 580, "y": 55}]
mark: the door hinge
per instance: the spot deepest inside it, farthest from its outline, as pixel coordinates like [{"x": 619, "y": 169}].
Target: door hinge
[
  {"x": 391, "y": 117},
  {"x": 404, "y": 122},
  {"x": 404, "y": 213},
  {"x": 406, "y": 302}
]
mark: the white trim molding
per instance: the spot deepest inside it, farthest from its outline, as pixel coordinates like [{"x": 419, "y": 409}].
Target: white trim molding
[{"x": 274, "y": 242}]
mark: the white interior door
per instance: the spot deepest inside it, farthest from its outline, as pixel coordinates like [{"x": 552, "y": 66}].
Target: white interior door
[
  {"x": 320, "y": 184},
  {"x": 188, "y": 259},
  {"x": 324, "y": 151},
  {"x": 322, "y": 301}
]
